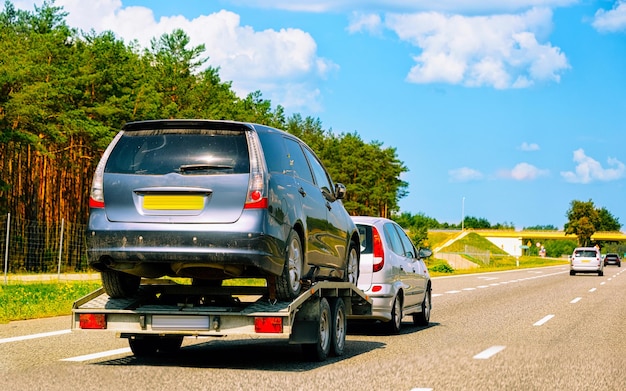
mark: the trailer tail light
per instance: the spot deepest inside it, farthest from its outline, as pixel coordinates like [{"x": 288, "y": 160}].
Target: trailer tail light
[
  {"x": 268, "y": 325},
  {"x": 93, "y": 321},
  {"x": 378, "y": 251}
]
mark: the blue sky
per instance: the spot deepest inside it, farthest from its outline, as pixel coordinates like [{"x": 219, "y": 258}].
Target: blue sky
[{"x": 504, "y": 110}]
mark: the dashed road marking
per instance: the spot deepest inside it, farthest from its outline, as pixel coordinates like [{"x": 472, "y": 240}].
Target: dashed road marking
[
  {"x": 485, "y": 354},
  {"x": 33, "y": 336},
  {"x": 543, "y": 320},
  {"x": 576, "y": 300},
  {"x": 592, "y": 289},
  {"x": 93, "y": 356}
]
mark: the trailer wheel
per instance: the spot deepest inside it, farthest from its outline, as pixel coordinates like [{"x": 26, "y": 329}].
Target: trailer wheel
[
  {"x": 288, "y": 284},
  {"x": 319, "y": 351},
  {"x": 119, "y": 285},
  {"x": 340, "y": 326},
  {"x": 151, "y": 345}
]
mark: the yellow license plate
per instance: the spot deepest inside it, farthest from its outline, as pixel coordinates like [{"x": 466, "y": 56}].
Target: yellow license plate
[{"x": 173, "y": 202}]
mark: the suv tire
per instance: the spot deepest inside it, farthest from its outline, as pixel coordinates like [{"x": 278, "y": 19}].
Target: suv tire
[
  {"x": 289, "y": 284},
  {"x": 119, "y": 285}
]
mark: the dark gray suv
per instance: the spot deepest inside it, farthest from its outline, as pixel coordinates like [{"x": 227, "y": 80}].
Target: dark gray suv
[{"x": 212, "y": 200}]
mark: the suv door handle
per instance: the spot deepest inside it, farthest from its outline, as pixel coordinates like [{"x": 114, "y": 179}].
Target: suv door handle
[
  {"x": 328, "y": 205},
  {"x": 302, "y": 192}
]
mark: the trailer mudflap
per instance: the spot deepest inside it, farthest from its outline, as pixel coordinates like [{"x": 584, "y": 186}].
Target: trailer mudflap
[{"x": 306, "y": 324}]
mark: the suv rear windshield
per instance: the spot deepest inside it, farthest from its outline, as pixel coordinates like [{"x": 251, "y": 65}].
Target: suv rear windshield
[{"x": 183, "y": 151}]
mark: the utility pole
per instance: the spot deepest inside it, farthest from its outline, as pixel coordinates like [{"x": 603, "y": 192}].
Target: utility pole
[{"x": 463, "y": 214}]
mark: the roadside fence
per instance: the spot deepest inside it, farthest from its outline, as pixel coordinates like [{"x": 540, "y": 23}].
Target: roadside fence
[
  {"x": 38, "y": 247},
  {"x": 483, "y": 256}
]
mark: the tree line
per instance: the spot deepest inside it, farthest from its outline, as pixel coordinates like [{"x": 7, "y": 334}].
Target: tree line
[{"x": 64, "y": 94}]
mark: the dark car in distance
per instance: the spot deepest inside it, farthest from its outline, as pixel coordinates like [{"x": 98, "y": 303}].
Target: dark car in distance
[
  {"x": 213, "y": 200},
  {"x": 612, "y": 259}
]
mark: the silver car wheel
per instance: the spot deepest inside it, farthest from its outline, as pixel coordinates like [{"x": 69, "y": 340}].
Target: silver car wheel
[{"x": 395, "y": 323}]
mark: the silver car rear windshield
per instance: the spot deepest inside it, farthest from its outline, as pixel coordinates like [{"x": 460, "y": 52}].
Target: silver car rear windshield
[
  {"x": 182, "y": 151},
  {"x": 586, "y": 253}
]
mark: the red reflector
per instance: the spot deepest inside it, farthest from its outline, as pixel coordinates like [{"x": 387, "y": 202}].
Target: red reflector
[
  {"x": 93, "y": 321},
  {"x": 268, "y": 325},
  {"x": 260, "y": 204},
  {"x": 377, "y": 288},
  {"x": 95, "y": 204}
]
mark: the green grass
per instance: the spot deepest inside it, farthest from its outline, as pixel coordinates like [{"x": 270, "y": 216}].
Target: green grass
[
  {"x": 474, "y": 240},
  {"x": 38, "y": 300}
]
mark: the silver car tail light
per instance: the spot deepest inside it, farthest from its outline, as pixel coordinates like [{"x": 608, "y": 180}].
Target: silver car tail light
[
  {"x": 96, "y": 197},
  {"x": 257, "y": 189},
  {"x": 378, "y": 251}
]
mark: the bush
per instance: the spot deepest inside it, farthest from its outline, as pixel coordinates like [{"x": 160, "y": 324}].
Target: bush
[{"x": 441, "y": 267}]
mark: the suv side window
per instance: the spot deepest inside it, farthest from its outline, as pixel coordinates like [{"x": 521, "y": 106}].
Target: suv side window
[
  {"x": 297, "y": 162},
  {"x": 321, "y": 177},
  {"x": 276, "y": 156}
]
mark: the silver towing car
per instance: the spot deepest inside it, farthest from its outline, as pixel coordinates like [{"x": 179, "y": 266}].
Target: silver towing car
[{"x": 393, "y": 273}]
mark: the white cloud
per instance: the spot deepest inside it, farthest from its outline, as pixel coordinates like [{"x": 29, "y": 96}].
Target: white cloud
[
  {"x": 464, "y": 174},
  {"x": 502, "y": 51},
  {"x": 360, "y": 22},
  {"x": 612, "y": 20},
  {"x": 529, "y": 147},
  {"x": 588, "y": 170},
  {"x": 453, "y": 6},
  {"x": 523, "y": 172}
]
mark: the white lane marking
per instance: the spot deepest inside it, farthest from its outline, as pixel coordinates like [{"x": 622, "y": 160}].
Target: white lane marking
[
  {"x": 488, "y": 278},
  {"x": 453, "y": 292},
  {"x": 469, "y": 289},
  {"x": 485, "y": 354},
  {"x": 421, "y": 389},
  {"x": 576, "y": 300},
  {"x": 483, "y": 286},
  {"x": 543, "y": 320},
  {"x": 33, "y": 336},
  {"x": 98, "y": 355},
  {"x": 602, "y": 283},
  {"x": 437, "y": 294},
  {"x": 592, "y": 290}
]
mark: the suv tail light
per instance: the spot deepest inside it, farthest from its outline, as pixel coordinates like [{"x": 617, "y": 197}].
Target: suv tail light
[
  {"x": 257, "y": 188},
  {"x": 96, "y": 197},
  {"x": 378, "y": 251}
]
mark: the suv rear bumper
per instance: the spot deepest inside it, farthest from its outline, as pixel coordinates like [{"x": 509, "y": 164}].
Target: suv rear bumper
[{"x": 187, "y": 250}]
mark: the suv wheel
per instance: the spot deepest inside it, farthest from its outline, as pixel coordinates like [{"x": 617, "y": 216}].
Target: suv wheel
[
  {"x": 119, "y": 285},
  {"x": 351, "y": 273},
  {"x": 289, "y": 284}
]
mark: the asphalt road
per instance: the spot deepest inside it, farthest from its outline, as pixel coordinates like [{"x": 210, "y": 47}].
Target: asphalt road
[{"x": 538, "y": 329}]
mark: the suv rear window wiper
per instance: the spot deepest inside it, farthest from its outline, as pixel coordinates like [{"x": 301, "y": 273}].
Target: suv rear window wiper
[{"x": 203, "y": 167}]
